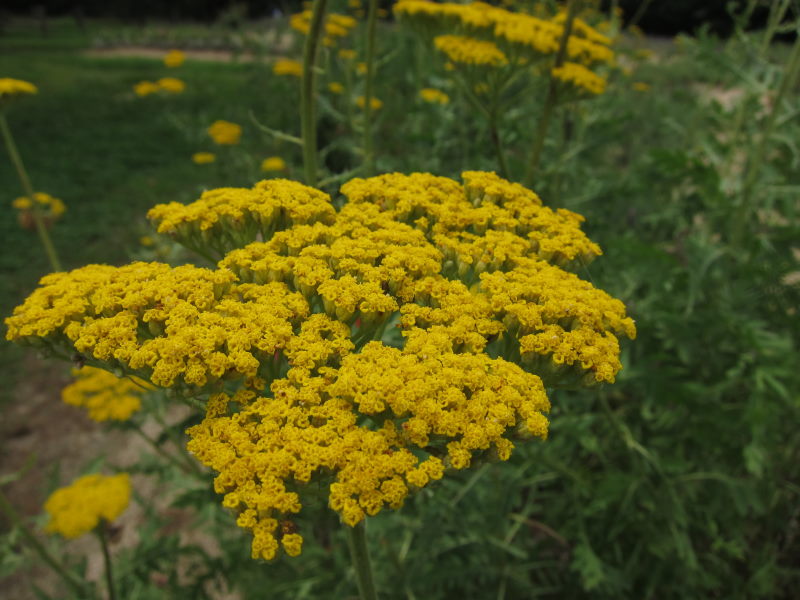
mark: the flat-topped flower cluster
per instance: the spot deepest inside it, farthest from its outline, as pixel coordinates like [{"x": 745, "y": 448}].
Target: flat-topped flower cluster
[
  {"x": 477, "y": 34},
  {"x": 368, "y": 349}
]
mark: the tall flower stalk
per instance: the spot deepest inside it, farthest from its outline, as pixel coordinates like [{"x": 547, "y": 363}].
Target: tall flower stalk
[
  {"x": 308, "y": 115},
  {"x": 369, "y": 148},
  {"x": 36, "y": 211},
  {"x": 357, "y": 542},
  {"x": 552, "y": 96}
]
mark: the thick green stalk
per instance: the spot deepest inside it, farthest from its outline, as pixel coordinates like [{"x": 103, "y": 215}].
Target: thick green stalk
[
  {"x": 13, "y": 516},
  {"x": 369, "y": 149},
  {"x": 357, "y": 542},
  {"x": 101, "y": 533},
  {"x": 41, "y": 229},
  {"x": 744, "y": 207},
  {"x": 308, "y": 115},
  {"x": 552, "y": 95}
]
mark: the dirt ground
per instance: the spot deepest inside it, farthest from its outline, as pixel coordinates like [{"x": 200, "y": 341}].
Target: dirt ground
[{"x": 50, "y": 439}]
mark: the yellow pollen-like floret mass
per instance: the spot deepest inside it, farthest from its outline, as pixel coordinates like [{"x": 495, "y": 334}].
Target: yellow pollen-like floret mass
[
  {"x": 80, "y": 507},
  {"x": 104, "y": 395},
  {"x": 285, "y": 66},
  {"x": 364, "y": 351},
  {"x": 434, "y": 96},
  {"x": 581, "y": 77},
  {"x": 174, "y": 58},
  {"x": 15, "y": 87},
  {"x": 225, "y": 133},
  {"x": 470, "y": 51}
]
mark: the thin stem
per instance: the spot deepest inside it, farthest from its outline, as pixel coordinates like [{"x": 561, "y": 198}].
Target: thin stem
[
  {"x": 357, "y": 542},
  {"x": 13, "y": 516},
  {"x": 183, "y": 466},
  {"x": 757, "y": 158},
  {"x": 101, "y": 533},
  {"x": 552, "y": 94},
  {"x": 776, "y": 13},
  {"x": 498, "y": 145},
  {"x": 369, "y": 149},
  {"x": 41, "y": 229},
  {"x": 308, "y": 117}
]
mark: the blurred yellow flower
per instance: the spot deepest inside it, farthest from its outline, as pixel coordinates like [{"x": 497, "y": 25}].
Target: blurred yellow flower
[
  {"x": 203, "y": 158},
  {"x": 273, "y": 163},
  {"x": 347, "y": 54},
  {"x": 145, "y": 88},
  {"x": 335, "y": 87},
  {"x": 361, "y": 68},
  {"x": 171, "y": 85},
  {"x": 640, "y": 86},
  {"x": 285, "y": 66},
  {"x": 174, "y": 58},
  {"x": 225, "y": 133},
  {"x": 52, "y": 207},
  {"x": 104, "y": 395},
  {"x": 434, "y": 96},
  {"x": 15, "y": 87},
  {"x": 146, "y": 240},
  {"x": 374, "y": 103},
  {"x": 78, "y": 508}
]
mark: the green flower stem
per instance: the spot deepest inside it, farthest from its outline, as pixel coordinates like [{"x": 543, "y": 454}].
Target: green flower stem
[
  {"x": 776, "y": 14},
  {"x": 357, "y": 542},
  {"x": 494, "y": 132},
  {"x": 41, "y": 229},
  {"x": 184, "y": 466},
  {"x": 101, "y": 534},
  {"x": 308, "y": 116},
  {"x": 552, "y": 95},
  {"x": 13, "y": 516},
  {"x": 369, "y": 149},
  {"x": 743, "y": 210}
]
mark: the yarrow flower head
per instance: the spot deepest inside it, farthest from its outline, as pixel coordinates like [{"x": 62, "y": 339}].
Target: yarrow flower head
[
  {"x": 374, "y": 103},
  {"x": 14, "y": 88},
  {"x": 174, "y": 58},
  {"x": 273, "y": 163},
  {"x": 366, "y": 351},
  {"x": 172, "y": 85},
  {"x": 51, "y": 208},
  {"x": 285, "y": 66},
  {"x": 145, "y": 88},
  {"x": 434, "y": 96},
  {"x": 225, "y": 133},
  {"x": 203, "y": 158},
  {"x": 105, "y": 396},
  {"x": 81, "y": 506}
]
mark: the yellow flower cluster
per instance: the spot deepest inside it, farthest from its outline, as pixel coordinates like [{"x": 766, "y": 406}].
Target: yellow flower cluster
[
  {"x": 286, "y": 66},
  {"x": 444, "y": 406},
  {"x": 374, "y": 103},
  {"x": 228, "y": 218},
  {"x": 273, "y": 163},
  {"x": 174, "y": 58},
  {"x": 182, "y": 327},
  {"x": 580, "y": 77},
  {"x": 80, "y": 507},
  {"x": 514, "y": 32},
  {"x": 171, "y": 85},
  {"x": 365, "y": 350},
  {"x": 434, "y": 96},
  {"x": 11, "y": 88},
  {"x": 104, "y": 395},
  {"x": 203, "y": 158},
  {"x": 336, "y": 26},
  {"x": 469, "y": 51},
  {"x": 225, "y": 133},
  {"x": 52, "y": 207}
]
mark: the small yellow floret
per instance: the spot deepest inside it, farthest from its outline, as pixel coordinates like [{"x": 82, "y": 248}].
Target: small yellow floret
[{"x": 225, "y": 133}]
